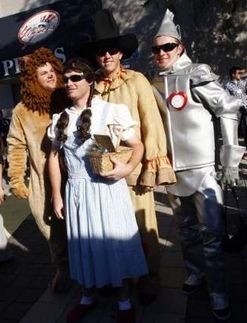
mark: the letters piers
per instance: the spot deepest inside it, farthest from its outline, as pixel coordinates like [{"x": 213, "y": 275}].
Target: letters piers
[{"x": 11, "y": 66}]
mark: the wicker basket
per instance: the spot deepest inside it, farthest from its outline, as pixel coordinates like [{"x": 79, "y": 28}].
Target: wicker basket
[
  {"x": 100, "y": 156},
  {"x": 101, "y": 162}
]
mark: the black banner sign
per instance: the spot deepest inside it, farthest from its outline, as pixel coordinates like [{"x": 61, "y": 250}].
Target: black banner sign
[{"x": 61, "y": 26}]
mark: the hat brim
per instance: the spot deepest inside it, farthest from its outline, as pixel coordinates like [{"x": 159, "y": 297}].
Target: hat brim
[{"x": 127, "y": 44}]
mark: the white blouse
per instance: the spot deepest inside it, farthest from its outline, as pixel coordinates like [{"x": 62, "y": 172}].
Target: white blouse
[{"x": 107, "y": 118}]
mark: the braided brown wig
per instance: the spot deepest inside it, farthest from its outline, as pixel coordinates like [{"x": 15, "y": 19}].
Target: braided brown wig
[
  {"x": 78, "y": 65},
  {"x": 34, "y": 96}
]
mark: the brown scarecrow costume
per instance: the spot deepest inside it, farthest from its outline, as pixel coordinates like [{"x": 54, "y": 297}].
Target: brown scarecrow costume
[
  {"x": 28, "y": 145},
  {"x": 133, "y": 89}
]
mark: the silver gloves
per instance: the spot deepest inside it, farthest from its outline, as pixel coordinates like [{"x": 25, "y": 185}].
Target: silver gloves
[{"x": 230, "y": 176}]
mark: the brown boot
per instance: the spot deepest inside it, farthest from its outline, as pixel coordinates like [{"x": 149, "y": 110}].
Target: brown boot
[
  {"x": 126, "y": 316},
  {"x": 78, "y": 312},
  {"x": 148, "y": 289},
  {"x": 61, "y": 282}
]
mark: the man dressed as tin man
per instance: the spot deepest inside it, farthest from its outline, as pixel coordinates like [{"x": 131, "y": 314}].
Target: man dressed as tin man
[{"x": 192, "y": 94}]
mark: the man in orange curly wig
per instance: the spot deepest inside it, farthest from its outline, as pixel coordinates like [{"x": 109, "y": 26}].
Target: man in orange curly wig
[{"x": 41, "y": 91}]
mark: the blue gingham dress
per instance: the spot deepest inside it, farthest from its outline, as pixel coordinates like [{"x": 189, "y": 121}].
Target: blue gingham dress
[{"x": 103, "y": 240}]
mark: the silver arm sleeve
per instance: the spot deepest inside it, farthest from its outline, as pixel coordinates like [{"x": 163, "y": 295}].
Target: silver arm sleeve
[{"x": 226, "y": 107}]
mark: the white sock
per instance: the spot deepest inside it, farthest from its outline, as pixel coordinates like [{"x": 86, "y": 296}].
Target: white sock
[
  {"x": 124, "y": 305},
  {"x": 87, "y": 300}
]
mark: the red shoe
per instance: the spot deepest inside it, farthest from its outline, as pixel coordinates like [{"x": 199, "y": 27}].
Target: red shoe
[
  {"x": 79, "y": 312},
  {"x": 126, "y": 316}
]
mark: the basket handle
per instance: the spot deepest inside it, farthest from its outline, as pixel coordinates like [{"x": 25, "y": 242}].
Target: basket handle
[{"x": 116, "y": 130}]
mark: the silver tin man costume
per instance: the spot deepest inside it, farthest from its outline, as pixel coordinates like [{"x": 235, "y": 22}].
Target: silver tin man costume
[{"x": 192, "y": 94}]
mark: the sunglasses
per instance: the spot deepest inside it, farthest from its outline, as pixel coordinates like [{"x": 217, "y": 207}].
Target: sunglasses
[
  {"x": 73, "y": 78},
  {"x": 110, "y": 50},
  {"x": 168, "y": 47}
]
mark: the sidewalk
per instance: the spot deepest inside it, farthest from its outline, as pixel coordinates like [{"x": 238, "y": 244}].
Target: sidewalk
[{"x": 26, "y": 297}]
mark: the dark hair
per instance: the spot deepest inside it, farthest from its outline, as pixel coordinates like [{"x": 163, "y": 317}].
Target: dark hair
[
  {"x": 61, "y": 125},
  {"x": 79, "y": 65},
  {"x": 233, "y": 70}
]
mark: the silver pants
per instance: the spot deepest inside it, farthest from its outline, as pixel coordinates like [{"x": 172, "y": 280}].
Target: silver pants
[{"x": 200, "y": 224}]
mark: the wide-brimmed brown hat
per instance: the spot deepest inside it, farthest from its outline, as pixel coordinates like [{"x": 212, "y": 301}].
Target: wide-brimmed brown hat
[{"x": 106, "y": 34}]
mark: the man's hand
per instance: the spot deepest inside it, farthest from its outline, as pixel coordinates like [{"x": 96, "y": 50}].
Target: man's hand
[
  {"x": 2, "y": 196},
  {"x": 230, "y": 176},
  {"x": 20, "y": 191},
  {"x": 119, "y": 171},
  {"x": 57, "y": 202},
  {"x": 142, "y": 189}
]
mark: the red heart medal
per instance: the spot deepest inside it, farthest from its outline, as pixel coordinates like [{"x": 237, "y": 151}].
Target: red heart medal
[{"x": 178, "y": 100}]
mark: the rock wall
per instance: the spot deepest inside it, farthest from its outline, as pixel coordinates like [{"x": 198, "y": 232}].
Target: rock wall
[{"x": 214, "y": 31}]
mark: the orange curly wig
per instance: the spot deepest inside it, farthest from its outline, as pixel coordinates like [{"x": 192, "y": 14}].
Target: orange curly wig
[{"x": 34, "y": 96}]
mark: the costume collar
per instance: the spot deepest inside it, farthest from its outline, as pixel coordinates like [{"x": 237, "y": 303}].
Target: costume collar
[
  {"x": 183, "y": 62},
  {"x": 105, "y": 84}
]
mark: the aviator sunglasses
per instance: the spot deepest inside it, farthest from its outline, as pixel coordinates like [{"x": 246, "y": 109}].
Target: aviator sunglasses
[
  {"x": 110, "y": 50},
  {"x": 73, "y": 78},
  {"x": 168, "y": 47}
]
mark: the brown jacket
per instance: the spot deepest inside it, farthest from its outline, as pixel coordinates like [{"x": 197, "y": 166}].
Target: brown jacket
[
  {"x": 27, "y": 139},
  {"x": 134, "y": 90}
]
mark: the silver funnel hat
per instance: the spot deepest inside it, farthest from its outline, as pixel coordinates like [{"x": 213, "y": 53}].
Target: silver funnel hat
[{"x": 168, "y": 28}]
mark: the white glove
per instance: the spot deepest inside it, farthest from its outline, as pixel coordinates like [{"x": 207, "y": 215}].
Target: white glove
[{"x": 230, "y": 176}]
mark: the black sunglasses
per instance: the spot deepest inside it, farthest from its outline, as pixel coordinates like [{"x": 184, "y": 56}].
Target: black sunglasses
[
  {"x": 168, "y": 47},
  {"x": 110, "y": 50},
  {"x": 73, "y": 78}
]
